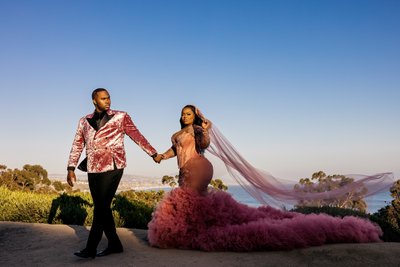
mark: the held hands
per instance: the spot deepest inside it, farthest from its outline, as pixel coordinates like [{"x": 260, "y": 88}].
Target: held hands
[
  {"x": 158, "y": 158},
  {"x": 71, "y": 178}
]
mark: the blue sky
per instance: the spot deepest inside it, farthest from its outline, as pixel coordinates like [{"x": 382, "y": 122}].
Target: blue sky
[{"x": 296, "y": 86}]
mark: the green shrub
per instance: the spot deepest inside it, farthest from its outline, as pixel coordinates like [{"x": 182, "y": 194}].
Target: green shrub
[
  {"x": 135, "y": 207},
  {"x": 333, "y": 211},
  {"x": 71, "y": 209},
  {"x": 389, "y": 217},
  {"x": 390, "y": 233},
  {"x": 24, "y": 206},
  {"x": 151, "y": 198},
  {"x": 131, "y": 209},
  {"x": 132, "y": 214}
]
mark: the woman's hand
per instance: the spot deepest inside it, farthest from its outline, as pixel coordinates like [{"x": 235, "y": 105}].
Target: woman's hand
[
  {"x": 206, "y": 124},
  {"x": 158, "y": 158}
]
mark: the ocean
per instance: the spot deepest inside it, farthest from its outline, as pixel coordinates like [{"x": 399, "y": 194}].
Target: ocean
[{"x": 374, "y": 203}]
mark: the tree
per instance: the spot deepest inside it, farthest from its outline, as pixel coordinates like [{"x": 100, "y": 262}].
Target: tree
[
  {"x": 23, "y": 180},
  {"x": 30, "y": 178},
  {"x": 391, "y": 213},
  {"x": 58, "y": 186},
  {"x": 320, "y": 182},
  {"x": 38, "y": 173},
  {"x": 394, "y": 209},
  {"x": 6, "y": 178},
  {"x": 3, "y": 168},
  {"x": 169, "y": 180},
  {"x": 218, "y": 184},
  {"x": 172, "y": 182}
]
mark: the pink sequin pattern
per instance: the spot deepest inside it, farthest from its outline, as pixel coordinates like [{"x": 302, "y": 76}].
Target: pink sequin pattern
[{"x": 106, "y": 146}]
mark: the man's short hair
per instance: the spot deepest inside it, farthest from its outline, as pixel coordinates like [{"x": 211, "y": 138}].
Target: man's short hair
[{"x": 95, "y": 91}]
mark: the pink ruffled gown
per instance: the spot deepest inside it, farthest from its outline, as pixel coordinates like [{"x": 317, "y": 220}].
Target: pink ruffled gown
[{"x": 194, "y": 216}]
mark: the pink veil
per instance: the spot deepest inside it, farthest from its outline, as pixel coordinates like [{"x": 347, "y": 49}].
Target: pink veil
[{"x": 269, "y": 190}]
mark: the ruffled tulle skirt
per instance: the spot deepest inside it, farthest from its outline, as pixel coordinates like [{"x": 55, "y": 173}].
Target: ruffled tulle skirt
[{"x": 214, "y": 221}]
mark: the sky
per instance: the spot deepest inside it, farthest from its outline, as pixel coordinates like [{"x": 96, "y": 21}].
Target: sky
[{"x": 296, "y": 86}]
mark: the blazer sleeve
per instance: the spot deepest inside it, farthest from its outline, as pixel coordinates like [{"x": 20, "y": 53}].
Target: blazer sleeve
[
  {"x": 77, "y": 146},
  {"x": 132, "y": 131}
]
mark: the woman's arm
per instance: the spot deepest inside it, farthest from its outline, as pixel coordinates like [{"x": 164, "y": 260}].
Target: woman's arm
[{"x": 170, "y": 153}]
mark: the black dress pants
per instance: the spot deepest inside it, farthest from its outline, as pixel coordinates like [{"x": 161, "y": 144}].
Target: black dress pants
[{"x": 102, "y": 188}]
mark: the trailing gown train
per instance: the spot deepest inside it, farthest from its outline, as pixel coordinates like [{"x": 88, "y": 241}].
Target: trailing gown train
[{"x": 194, "y": 216}]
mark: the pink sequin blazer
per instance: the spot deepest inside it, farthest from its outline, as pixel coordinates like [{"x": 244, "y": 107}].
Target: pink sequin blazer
[{"x": 106, "y": 146}]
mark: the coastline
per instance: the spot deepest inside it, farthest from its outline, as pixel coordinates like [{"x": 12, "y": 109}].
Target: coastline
[
  {"x": 139, "y": 183},
  {"x": 128, "y": 182},
  {"x": 374, "y": 202}
]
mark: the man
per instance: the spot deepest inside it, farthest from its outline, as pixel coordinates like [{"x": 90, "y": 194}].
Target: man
[{"x": 102, "y": 132}]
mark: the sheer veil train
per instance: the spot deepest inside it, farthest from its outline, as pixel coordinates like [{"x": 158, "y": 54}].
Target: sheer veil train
[{"x": 269, "y": 190}]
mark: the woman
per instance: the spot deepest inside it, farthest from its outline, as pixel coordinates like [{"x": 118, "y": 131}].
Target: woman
[
  {"x": 196, "y": 217},
  {"x": 195, "y": 171}
]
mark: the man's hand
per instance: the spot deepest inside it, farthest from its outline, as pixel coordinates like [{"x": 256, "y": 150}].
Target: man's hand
[{"x": 71, "y": 178}]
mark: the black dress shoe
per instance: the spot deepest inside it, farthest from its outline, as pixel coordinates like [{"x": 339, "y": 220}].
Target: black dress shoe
[
  {"x": 85, "y": 253},
  {"x": 109, "y": 251}
]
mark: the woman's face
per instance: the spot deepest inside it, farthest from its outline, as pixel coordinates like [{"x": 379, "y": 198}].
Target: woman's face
[{"x": 187, "y": 116}]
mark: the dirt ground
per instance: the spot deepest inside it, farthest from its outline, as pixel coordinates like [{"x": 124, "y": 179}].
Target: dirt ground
[{"x": 27, "y": 244}]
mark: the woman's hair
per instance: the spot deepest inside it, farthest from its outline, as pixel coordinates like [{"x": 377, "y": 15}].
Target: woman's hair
[{"x": 197, "y": 119}]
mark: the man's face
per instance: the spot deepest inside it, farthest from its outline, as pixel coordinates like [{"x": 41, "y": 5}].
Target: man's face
[{"x": 102, "y": 101}]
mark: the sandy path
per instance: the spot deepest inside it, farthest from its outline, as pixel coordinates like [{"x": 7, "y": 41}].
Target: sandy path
[{"x": 25, "y": 244}]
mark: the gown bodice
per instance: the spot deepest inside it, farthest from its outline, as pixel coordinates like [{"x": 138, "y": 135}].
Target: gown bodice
[
  {"x": 188, "y": 142},
  {"x": 185, "y": 146}
]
